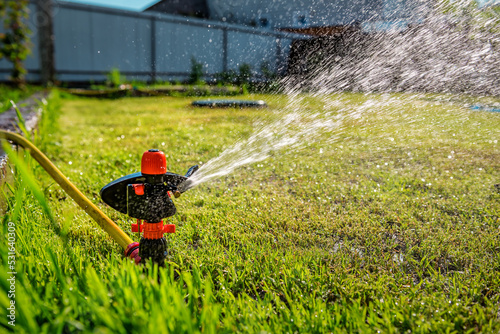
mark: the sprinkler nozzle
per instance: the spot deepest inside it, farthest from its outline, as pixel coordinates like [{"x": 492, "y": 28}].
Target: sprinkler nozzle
[{"x": 177, "y": 194}]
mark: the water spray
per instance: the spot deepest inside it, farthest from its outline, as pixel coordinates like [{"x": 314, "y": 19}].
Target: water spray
[{"x": 144, "y": 195}]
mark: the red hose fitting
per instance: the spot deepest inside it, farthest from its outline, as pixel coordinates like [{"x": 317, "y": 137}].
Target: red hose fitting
[{"x": 132, "y": 252}]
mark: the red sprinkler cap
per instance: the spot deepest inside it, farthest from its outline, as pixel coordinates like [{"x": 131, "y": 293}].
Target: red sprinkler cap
[{"x": 154, "y": 162}]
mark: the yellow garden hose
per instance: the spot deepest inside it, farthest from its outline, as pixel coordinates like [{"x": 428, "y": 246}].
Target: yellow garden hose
[{"x": 107, "y": 224}]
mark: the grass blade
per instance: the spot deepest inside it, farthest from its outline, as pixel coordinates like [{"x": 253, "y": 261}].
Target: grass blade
[
  {"x": 21, "y": 122},
  {"x": 29, "y": 180}
]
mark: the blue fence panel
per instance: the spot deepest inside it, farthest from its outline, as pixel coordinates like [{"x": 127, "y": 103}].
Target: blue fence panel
[
  {"x": 91, "y": 41},
  {"x": 177, "y": 44},
  {"x": 252, "y": 49}
]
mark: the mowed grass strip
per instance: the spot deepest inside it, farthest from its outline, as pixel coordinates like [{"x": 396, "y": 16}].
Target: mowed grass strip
[{"x": 389, "y": 222}]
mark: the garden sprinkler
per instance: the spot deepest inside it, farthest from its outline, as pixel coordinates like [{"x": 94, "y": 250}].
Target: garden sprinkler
[{"x": 146, "y": 196}]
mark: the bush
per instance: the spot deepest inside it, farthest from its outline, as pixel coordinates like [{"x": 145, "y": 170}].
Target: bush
[
  {"x": 228, "y": 77},
  {"x": 245, "y": 74},
  {"x": 115, "y": 79},
  {"x": 196, "y": 75},
  {"x": 267, "y": 72}
]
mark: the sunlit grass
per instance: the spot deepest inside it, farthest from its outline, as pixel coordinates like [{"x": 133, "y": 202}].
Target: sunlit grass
[{"x": 389, "y": 223}]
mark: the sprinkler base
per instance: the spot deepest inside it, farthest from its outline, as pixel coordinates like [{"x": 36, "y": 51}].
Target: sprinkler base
[{"x": 154, "y": 249}]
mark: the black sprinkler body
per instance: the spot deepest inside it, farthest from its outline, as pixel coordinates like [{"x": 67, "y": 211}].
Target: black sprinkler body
[{"x": 146, "y": 196}]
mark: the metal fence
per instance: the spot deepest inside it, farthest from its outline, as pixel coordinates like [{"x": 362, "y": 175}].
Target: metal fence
[{"x": 91, "y": 41}]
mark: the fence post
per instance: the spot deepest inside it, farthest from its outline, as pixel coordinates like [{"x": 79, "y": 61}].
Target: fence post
[
  {"x": 279, "y": 58},
  {"x": 44, "y": 22},
  {"x": 153, "y": 49},
  {"x": 224, "y": 49}
]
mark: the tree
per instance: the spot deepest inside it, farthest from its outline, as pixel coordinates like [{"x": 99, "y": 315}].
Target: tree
[{"x": 14, "y": 43}]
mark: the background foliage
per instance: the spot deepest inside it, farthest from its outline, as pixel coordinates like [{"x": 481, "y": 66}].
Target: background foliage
[{"x": 14, "y": 43}]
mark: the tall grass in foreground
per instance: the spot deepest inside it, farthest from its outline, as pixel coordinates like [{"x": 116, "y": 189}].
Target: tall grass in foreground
[{"x": 369, "y": 235}]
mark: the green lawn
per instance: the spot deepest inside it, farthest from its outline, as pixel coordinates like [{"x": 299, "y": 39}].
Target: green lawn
[{"x": 387, "y": 222}]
